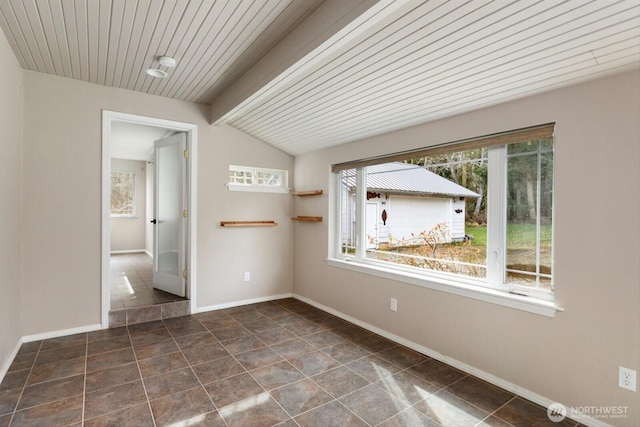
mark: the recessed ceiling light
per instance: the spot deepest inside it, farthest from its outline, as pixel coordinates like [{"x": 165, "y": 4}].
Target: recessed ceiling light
[
  {"x": 155, "y": 72},
  {"x": 167, "y": 61}
]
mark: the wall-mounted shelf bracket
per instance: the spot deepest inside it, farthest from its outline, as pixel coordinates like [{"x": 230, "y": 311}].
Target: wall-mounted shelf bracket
[
  {"x": 307, "y": 218},
  {"x": 307, "y": 193},
  {"x": 248, "y": 223}
]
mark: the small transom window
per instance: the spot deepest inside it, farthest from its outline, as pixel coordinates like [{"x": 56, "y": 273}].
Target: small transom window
[{"x": 246, "y": 178}]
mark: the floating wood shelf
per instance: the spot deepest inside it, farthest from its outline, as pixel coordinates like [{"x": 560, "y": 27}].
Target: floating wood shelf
[
  {"x": 248, "y": 223},
  {"x": 307, "y": 193},
  {"x": 307, "y": 218}
]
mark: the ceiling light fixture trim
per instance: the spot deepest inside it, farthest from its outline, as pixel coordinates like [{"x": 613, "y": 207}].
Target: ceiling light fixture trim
[
  {"x": 156, "y": 72},
  {"x": 167, "y": 61}
]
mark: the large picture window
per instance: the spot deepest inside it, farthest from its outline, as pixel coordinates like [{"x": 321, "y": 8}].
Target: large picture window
[{"x": 478, "y": 212}]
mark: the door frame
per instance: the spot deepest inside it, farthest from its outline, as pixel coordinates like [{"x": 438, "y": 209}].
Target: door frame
[{"x": 191, "y": 130}]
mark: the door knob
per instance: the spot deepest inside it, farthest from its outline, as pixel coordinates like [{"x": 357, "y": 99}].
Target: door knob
[{"x": 153, "y": 221}]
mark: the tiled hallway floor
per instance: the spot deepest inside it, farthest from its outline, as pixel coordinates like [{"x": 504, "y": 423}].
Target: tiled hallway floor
[
  {"x": 282, "y": 362},
  {"x": 132, "y": 282}
]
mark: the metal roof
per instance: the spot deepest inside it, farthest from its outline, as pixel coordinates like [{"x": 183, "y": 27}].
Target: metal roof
[{"x": 406, "y": 178}]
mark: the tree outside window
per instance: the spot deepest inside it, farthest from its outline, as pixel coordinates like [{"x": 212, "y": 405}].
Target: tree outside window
[
  {"x": 431, "y": 214},
  {"x": 123, "y": 194}
]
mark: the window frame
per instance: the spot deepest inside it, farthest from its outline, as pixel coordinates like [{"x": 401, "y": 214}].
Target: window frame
[
  {"x": 134, "y": 201},
  {"x": 492, "y": 289},
  {"x": 254, "y": 186}
]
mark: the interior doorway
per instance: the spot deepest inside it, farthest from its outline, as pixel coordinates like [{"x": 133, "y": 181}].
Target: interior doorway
[{"x": 135, "y": 269}]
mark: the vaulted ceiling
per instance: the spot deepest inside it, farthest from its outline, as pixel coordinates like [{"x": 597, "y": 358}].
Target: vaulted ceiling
[{"x": 303, "y": 75}]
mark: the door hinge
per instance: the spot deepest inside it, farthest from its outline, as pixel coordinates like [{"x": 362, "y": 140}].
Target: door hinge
[
  {"x": 185, "y": 213},
  {"x": 184, "y": 273},
  {"x": 186, "y": 154}
]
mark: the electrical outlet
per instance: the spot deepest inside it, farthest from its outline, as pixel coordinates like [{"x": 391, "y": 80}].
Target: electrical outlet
[
  {"x": 247, "y": 276},
  {"x": 394, "y": 304},
  {"x": 627, "y": 378}
]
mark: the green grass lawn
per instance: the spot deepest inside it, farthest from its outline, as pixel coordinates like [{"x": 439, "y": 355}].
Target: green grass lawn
[
  {"x": 519, "y": 236},
  {"x": 479, "y": 235},
  {"x": 521, "y": 252}
]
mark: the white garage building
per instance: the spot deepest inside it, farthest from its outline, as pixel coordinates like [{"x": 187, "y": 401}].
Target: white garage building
[{"x": 405, "y": 199}]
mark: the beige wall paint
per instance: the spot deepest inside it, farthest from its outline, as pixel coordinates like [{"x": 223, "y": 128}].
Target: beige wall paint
[
  {"x": 265, "y": 252},
  {"x": 10, "y": 206},
  {"x": 62, "y": 144},
  {"x": 128, "y": 234},
  {"x": 572, "y": 358}
]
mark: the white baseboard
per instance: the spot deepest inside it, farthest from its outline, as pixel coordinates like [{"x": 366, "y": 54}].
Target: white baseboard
[
  {"x": 241, "y": 302},
  {"x": 130, "y": 251},
  {"x": 5, "y": 368},
  {"x": 148, "y": 253},
  {"x": 61, "y": 333},
  {"x": 513, "y": 388},
  {"x": 46, "y": 335}
]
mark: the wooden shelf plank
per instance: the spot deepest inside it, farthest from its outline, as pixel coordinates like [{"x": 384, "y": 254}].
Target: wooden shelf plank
[
  {"x": 248, "y": 223},
  {"x": 307, "y": 193},
  {"x": 307, "y": 218}
]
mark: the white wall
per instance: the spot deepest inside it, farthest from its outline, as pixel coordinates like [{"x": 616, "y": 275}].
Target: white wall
[
  {"x": 574, "y": 357},
  {"x": 10, "y": 206},
  {"x": 62, "y": 144},
  {"x": 128, "y": 234}
]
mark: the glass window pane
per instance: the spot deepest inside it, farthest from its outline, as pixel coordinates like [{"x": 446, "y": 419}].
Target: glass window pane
[
  {"x": 529, "y": 214},
  {"x": 523, "y": 147},
  {"x": 123, "y": 185},
  {"x": 273, "y": 180},
  {"x": 546, "y": 218},
  {"x": 423, "y": 214},
  {"x": 169, "y": 213},
  {"x": 347, "y": 191}
]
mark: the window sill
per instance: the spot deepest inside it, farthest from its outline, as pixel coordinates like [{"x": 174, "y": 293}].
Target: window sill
[
  {"x": 518, "y": 302},
  {"x": 257, "y": 189}
]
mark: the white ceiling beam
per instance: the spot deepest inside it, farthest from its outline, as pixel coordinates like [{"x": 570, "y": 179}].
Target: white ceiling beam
[{"x": 328, "y": 19}]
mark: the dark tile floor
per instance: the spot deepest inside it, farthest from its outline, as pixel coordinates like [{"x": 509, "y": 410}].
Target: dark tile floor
[
  {"x": 274, "y": 363},
  {"x": 131, "y": 282}
]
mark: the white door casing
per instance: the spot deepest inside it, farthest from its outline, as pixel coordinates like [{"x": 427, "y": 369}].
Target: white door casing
[{"x": 191, "y": 132}]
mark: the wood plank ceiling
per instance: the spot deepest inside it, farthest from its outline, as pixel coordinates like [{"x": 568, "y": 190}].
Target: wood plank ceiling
[
  {"x": 400, "y": 63},
  {"x": 113, "y": 42}
]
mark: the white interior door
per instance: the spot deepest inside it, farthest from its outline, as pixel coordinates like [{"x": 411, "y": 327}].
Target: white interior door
[{"x": 169, "y": 236}]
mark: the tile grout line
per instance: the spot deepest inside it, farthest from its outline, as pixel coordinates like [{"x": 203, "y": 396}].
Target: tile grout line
[
  {"x": 515, "y": 396},
  {"x": 251, "y": 375},
  {"x": 84, "y": 383},
  {"x": 24, "y": 387},
  {"x": 246, "y": 371},
  {"x": 111, "y": 367},
  {"x": 371, "y": 353},
  {"x": 50, "y": 381},
  {"x": 340, "y": 364},
  {"x": 269, "y": 346},
  {"x": 144, "y": 387},
  {"x": 191, "y": 367},
  {"x": 289, "y": 327},
  {"x": 344, "y": 365}
]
